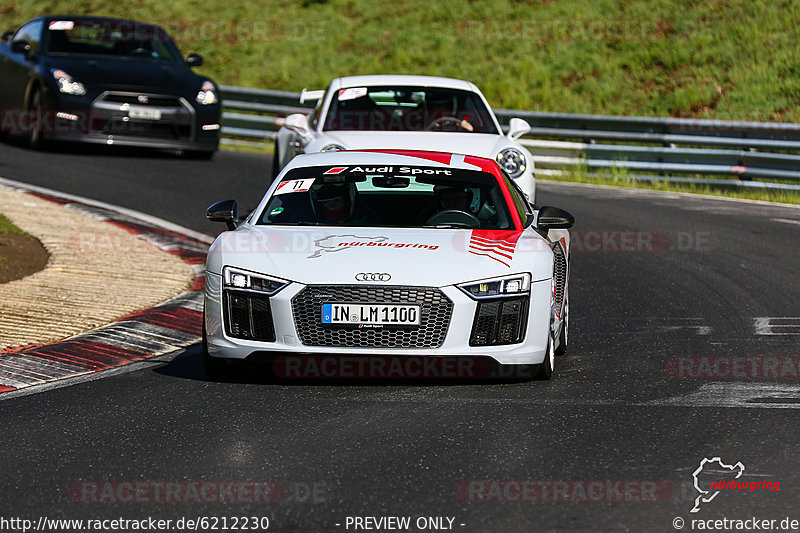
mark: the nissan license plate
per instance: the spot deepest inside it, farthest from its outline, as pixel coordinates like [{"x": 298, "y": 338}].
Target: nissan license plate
[
  {"x": 377, "y": 314},
  {"x": 144, "y": 112}
]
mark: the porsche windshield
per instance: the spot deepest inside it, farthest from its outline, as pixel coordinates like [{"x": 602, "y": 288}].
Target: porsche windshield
[
  {"x": 408, "y": 109},
  {"x": 388, "y": 196},
  {"x": 115, "y": 38}
]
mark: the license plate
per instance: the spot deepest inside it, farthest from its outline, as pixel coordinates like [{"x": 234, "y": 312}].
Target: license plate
[
  {"x": 144, "y": 112},
  {"x": 378, "y": 314}
]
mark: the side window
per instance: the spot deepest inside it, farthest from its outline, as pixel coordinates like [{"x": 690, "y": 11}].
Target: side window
[
  {"x": 31, "y": 33},
  {"x": 520, "y": 202}
]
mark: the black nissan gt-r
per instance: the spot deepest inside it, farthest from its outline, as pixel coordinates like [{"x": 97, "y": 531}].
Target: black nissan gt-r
[{"x": 108, "y": 81}]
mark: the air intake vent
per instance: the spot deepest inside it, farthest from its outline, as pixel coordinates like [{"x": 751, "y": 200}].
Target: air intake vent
[{"x": 248, "y": 316}]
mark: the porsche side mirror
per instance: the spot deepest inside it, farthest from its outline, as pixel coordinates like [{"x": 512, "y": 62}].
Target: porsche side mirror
[
  {"x": 554, "y": 218},
  {"x": 226, "y": 211},
  {"x": 517, "y": 128},
  {"x": 298, "y": 123},
  {"x": 6, "y": 35},
  {"x": 194, "y": 60},
  {"x": 21, "y": 47}
]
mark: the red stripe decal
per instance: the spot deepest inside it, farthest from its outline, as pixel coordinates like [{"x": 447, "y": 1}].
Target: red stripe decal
[
  {"x": 3, "y": 388},
  {"x": 491, "y": 251}
]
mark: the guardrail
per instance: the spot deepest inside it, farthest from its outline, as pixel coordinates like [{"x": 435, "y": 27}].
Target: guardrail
[{"x": 558, "y": 141}]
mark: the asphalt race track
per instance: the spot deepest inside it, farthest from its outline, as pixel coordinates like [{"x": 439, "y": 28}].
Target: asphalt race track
[{"x": 665, "y": 290}]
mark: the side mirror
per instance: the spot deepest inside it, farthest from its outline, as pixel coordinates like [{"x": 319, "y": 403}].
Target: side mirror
[
  {"x": 6, "y": 35},
  {"x": 298, "y": 123},
  {"x": 194, "y": 60},
  {"x": 226, "y": 211},
  {"x": 21, "y": 47},
  {"x": 554, "y": 218},
  {"x": 517, "y": 128}
]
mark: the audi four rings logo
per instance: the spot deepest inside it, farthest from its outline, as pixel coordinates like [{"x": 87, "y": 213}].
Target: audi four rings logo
[{"x": 369, "y": 276}]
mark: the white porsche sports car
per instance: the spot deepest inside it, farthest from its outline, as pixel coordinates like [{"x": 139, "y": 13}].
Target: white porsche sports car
[
  {"x": 400, "y": 254},
  {"x": 407, "y": 113}
]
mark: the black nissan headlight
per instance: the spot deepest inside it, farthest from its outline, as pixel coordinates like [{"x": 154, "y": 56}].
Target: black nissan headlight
[
  {"x": 513, "y": 285},
  {"x": 234, "y": 278},
  {"x": 512, "y": 161},
  {"x": 207, "y": 94},
  {"x": 66, "y": 84}
]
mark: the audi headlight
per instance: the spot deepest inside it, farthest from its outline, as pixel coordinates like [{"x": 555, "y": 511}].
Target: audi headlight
[
  {"x": 207, "y": 94},
  {"x": 514, "y": 285},
  {"x": 66, "y": 84},
  {"x": 332, "y": 147},
  {"x": 512, "y": 161},
  {"x": 234, "y": 278}
]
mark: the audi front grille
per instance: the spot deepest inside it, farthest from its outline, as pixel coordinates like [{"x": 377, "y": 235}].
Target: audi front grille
[{"x": 435, "y": 312}]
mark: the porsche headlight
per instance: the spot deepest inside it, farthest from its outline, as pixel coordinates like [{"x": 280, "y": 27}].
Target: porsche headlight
[
  {"x": 234, "y": 278},
  {"x": 207, "y": 94},
  {"x": 332, "y": 147},
  {"x": 66, "y": 84},
  {"x": 514, "y": 285},
  {"x": 512, "y": 161}
]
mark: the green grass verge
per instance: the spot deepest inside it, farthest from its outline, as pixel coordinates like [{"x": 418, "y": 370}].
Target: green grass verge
[
  {"x": 726, "y": 59},
  {"x": 8, "y": 228}
]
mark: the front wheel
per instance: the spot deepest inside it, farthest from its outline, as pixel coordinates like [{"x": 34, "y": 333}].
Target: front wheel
[
  {"x": 36, "y": 137},
  {"x": 546, "y": 367},
  {"x": 563, "y": 336}
]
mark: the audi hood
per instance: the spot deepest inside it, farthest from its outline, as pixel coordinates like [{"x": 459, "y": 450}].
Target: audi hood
[{"x": 311, "y": 255}]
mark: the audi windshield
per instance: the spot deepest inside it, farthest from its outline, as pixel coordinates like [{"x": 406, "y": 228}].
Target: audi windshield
[{"x": 388, "y": 196}]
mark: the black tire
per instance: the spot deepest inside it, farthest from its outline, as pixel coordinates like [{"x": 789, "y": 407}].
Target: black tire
[
  {"x": 545, "y": 370},
  {"x": 214, "y": 367},
  {"x": 563, "y": 332},
  {"x": 36, "y": 137}
]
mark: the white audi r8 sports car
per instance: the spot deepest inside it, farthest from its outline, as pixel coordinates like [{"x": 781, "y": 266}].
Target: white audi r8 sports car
[
  {"x": 405, "y": 112},
  {"x": 401, "y": 254}
]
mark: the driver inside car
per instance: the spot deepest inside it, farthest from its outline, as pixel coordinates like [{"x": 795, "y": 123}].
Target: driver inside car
[
  {"x": 336, "y": 203},
  {"x": 448, "y": 198},
  {"x": 453, "y": 198}
]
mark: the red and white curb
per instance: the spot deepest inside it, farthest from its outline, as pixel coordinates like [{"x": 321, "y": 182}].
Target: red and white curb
[{"x": 170, "y": 326}]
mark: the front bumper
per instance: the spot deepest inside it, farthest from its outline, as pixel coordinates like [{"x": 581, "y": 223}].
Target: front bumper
[
  {"x": 109, "y": 118},
  {"x": 456, "y": 343}
]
